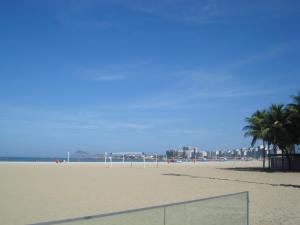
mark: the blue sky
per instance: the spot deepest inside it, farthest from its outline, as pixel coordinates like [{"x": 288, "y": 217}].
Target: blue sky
[{"x": 121, "y": 75}]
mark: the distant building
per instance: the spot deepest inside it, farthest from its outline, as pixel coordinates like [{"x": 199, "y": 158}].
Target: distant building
[
  {"x": 202, "y": 154},
  {"x": 190, "y": 152},
  {"x": 244, "y": 153},
  {"x": 186, "y": 152}
]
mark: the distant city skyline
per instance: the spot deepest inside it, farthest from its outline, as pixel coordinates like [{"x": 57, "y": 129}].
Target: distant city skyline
[{"x": 142, "y": 76}]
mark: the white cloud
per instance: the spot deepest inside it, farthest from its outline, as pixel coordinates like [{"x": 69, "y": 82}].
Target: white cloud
[
  {"x": 263, "y": 55},
  {"x": 109, "y": 77},
  {"x": 192, "y": 132},
  {"x": 114, "y": 72},
  {"x": 39, "y": 117},
  {"x": 84, "y": 24},
  {"x": 236, "y": 93},
  {"x": 208, "y": 11},
  {"x": 135, "y": 126}
]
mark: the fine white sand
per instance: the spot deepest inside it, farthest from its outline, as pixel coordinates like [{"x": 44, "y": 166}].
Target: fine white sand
[{"x": 37, "y": 192}]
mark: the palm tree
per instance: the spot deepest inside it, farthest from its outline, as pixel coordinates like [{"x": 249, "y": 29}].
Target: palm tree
[
  {"x": 257, "y": 129},
  {"x": 294, "y": 119},
  {"x": 279, "y": 126},
  {"x": 278, "y": 130}
]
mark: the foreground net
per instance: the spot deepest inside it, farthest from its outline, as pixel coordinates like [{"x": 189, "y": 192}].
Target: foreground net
[{"x": 232, "y": 209}]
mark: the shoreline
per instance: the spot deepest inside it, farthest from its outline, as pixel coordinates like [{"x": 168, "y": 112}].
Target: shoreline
[{"x": 163, "y": 163}]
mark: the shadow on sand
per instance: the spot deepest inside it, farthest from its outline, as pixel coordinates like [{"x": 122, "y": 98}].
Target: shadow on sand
[
  {"x": 232, "y": 180},
  {"x": 259, "y": 169}
]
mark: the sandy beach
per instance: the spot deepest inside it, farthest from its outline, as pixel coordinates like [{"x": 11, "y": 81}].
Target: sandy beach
[{"x": 38, "y": 192}]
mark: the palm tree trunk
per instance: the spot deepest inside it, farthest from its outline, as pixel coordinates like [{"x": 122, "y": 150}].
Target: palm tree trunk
[
  {"x": 264, "y": 155},
  {"x": 274, "y": 149},
  {"x": 282, "y": 160},
  {"x": 289, "y": 161},
  {"x": 288, "y": 153},
  {"x": 269, "y": 155}
]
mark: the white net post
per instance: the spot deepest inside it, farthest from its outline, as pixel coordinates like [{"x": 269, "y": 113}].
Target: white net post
[{"x": 110, "y": 158}]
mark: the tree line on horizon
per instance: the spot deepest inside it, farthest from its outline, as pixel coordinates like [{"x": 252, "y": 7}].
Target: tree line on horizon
[{"x": 278, "y": 127}]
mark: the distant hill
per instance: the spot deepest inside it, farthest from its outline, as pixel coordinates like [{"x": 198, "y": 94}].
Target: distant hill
[{"x": 80, "y": 155}]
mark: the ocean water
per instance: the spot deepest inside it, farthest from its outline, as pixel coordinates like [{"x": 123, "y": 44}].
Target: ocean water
[{"x": 52, "y": 159}]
